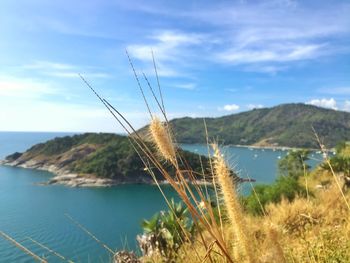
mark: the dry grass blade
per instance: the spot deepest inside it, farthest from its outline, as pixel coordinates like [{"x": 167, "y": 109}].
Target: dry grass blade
[
  {"x": 155, "y": 97},
  {"x": 26, "y": 250},
  {"x": 90, "y": 234},
  {"x": 49, "y": 249},
  {"x": 159, "y": 88},
  {"x": 139, "y": 84},
  {"x": 208, "y": 252}
]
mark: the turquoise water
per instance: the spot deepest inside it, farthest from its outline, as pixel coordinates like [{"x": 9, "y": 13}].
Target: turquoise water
[
  {"x": 112, "y": 214},
  {"x": 259, "y": 164}
]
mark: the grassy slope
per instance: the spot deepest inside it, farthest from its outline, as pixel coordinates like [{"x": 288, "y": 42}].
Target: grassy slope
[
  {"x": 314, "y": 229},
  {"x": 284, "y": 125}
]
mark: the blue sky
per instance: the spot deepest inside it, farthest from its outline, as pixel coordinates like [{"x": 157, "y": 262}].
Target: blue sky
[{"x": 214, "y": 58}]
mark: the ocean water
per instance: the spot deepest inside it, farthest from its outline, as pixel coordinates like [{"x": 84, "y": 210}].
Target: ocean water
[
  {"x": 259, "y": 164},
  {"x": 113, "y": 214}
]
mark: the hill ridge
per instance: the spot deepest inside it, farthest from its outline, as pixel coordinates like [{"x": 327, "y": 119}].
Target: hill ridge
[{"x": 288, "y": 125}]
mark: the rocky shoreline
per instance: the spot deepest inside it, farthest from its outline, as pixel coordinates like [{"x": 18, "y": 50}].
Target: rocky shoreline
[{"x": 67, "y": 178}]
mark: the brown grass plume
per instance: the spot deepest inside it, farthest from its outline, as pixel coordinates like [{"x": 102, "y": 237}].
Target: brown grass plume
[
  {"x": 162, "y": 139},
  {"x": 233, "y": 207}
]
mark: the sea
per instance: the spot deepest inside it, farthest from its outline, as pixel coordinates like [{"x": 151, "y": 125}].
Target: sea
[{"x": 33, "y": 214}]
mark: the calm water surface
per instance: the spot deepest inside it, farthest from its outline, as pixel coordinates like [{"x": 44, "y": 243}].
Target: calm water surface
[{"x": 112, "y": 214}]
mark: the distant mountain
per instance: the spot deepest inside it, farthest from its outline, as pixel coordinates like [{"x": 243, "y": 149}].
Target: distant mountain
[{"x": 284, "y": 125}]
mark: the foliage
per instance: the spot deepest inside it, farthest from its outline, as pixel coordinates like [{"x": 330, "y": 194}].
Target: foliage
[
  {"x": 341, "y": 161},
  {"x": 166, "y": 231},
  {"x": 285, "y": 187},
  {"x": 294, "y": 164},
  {"x": 340, "y": 146},
  {"x": 116, "y": 159},
  {"x": 291, "y": 167},
  {"x": 60, "y": 145},
  {"x": 285, "y": 125},
  {"x": 102, "y": 154}
]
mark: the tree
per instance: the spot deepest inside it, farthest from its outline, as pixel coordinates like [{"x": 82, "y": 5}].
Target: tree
[
  {"x": 340, "y": 163},
  {"x": 294, "y": 164},
  {"x": 291, "y": 167},
  {"x": 284, "y": 186}
]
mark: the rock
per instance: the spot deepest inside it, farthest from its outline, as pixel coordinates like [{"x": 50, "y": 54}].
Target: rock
[
  {"x": 125, "y": 257},
  {"x": 13, "y": 156}
]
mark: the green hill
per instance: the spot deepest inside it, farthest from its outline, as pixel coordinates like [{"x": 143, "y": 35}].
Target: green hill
[
  {"x": 100, "y": 155},
  {"x": 284, "y": 125}
]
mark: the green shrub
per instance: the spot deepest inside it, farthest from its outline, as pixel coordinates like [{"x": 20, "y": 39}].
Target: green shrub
[
  {"x": 166, "y": 231},
  {"x": 294, "y": 164},
  {"x": 285, "y": 186}
]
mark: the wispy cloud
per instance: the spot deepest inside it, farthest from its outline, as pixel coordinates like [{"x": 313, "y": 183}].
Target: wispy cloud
[
  {"x": 188, "y": 86},
  {"x": 270, "y": 54},
  {"x": 266, "y": 35},
  {"x": 40, "y": 64},
  {"x": 169, "y": 47},
  {"x": 268, "y": 69},
  {"x": 325, "y": 103},
  {"x": 24, "y": 88},
  {"x": 62, "y": 70}
]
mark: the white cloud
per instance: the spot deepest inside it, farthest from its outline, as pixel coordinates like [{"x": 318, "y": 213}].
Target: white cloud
[
  {"x": 40, "y": 64},
  {"x": 76, "y": 75},
  {"x": 188, "y": 86},
  {"x": 254, "y": 106},
  {"x": 62, "y": 70},
  {"x": 275, "y": 54},
  {"x": 229, "y": 107},
  {"x": 266, "y": 37},
  {"x": 168, "y": 47},
  {"x": 325, "y": 103},
  {"x": 175, "y": 39},
  {"x": 24, "y": 88},
  {"x": 347, "y": 105}
]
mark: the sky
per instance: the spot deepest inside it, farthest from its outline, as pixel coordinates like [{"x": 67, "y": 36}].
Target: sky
[{"x": 213, "y": 58}]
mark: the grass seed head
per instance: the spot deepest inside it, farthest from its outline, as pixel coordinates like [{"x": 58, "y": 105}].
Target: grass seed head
[{"x": 162, "y": 139}]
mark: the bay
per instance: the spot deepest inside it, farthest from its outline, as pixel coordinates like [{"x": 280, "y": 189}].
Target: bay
[{"x": 112, "y": 214}]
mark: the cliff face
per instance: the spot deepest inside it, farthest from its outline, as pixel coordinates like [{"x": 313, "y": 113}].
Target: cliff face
[{"x": 90, "y": 160}]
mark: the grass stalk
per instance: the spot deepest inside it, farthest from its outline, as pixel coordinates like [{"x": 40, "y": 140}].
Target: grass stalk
[
  {"x": 233, "y": 208},
  {"x": 23, "y": 248}
]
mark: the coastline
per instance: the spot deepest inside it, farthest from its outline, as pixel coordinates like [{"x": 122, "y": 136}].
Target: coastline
[
  {"x": 274, "y": 148},
  {"x": 70, "y": 179}
]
